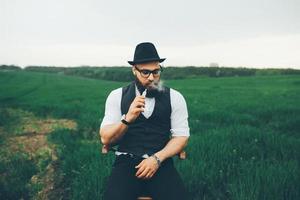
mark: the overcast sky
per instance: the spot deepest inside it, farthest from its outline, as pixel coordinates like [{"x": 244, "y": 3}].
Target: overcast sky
[{"x": 250, "y": 33}]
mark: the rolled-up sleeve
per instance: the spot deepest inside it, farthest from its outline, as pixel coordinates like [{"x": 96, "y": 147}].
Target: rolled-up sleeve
[
  {"x": 112, "y": 108},
  {"x": 179, "y": 115}
]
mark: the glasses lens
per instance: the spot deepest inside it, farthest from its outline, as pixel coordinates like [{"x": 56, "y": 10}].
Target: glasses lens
[
  {"x": 156, "y": 72},
  {"x": 145, "y": 72}
]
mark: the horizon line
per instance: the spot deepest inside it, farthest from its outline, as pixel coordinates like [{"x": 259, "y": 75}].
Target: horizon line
[{"x": 179, "y": 66}]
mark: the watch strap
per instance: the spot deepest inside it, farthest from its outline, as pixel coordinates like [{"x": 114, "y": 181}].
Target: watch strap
[
  {"x": 125, "y": 122},
  {"x": 157, "y": 159}
]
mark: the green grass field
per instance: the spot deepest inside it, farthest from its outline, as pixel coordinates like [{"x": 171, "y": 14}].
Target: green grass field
[{"x": 244, "y": 144}]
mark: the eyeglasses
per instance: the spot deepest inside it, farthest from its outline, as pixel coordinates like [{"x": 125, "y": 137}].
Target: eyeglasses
[{"x": 146, "y": 73}]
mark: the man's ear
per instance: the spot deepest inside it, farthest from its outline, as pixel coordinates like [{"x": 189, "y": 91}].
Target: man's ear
[{"x": 133, "y": 70}]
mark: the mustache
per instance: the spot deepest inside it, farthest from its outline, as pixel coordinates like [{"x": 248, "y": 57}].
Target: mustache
[{"x": 157, "y": 85}]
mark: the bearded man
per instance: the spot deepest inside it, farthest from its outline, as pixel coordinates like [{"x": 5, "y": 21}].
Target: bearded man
[{"x": 149, "y": 122}]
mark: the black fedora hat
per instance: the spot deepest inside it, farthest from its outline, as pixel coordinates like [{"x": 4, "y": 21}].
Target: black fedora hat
[{"x": 145, "y": 52}]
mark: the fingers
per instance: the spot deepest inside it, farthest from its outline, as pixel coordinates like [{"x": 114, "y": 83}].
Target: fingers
[
  {"x": 136, "y": 107},
  {"x": 138, "y": 110},
  {"x": 139, "y": 165},
  {"x": 140, "y": 171},
  {"x": 144, "y": 173},
  {"x": 144, "y": 170},
  {"x": 105, "y": 149},
  {"x": 139, "y": 98},
  {"x": 139, "y": 104},
  {"x": 149, "y": 175}
]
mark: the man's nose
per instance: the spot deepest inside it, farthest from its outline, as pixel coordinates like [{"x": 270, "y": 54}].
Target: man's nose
[{"x": 151, "y": 77}]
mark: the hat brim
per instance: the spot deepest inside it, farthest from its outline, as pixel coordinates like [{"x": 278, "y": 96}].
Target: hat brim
[{"x": 146, "y": 61}]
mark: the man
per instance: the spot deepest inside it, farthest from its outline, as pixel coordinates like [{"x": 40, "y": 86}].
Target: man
[{"x": 149, "y": 122}]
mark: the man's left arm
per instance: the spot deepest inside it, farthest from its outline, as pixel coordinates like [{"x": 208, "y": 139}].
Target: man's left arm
[
  {"x": 179, "y": 127},
  {"x": 180, "y": 134},
  {"x": 173, "y": 147}
]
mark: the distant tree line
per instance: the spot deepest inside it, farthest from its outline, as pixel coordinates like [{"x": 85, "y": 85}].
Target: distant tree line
[
  {"x": 10, "y": 67},
  {"x": 124, "y": 73},
  {"x": 104, "y": 73}
]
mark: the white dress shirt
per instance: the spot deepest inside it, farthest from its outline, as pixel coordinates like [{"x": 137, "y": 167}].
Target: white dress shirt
[{"x": 179, "y": 114}]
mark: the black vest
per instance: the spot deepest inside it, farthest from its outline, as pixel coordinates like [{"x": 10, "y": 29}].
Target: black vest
[{"x": 146, "y": 135}]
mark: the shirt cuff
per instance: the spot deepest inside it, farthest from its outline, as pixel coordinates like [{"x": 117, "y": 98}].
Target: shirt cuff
[{"x": 180, "y": 132}]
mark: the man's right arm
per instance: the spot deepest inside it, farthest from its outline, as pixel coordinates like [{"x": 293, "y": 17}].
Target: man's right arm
[{"x": 111, "y": 132}]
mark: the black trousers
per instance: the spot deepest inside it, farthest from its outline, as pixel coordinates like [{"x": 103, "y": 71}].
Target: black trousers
[{"x": 123, "y": 184}]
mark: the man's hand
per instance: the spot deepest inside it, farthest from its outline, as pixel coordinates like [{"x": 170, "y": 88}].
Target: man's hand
[
  {"x": 136, "y": 107},
  {"x": 105, "y": 149},
  {"x": 147, "y": 168}
]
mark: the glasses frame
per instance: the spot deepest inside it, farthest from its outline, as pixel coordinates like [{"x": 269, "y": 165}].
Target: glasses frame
[{"x": 150, "y": 72}]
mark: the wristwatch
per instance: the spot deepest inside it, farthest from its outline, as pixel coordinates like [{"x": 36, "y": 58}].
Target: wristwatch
[
  {"x": 157, "y": 159},
  {"x": 123, "y": 120}
]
